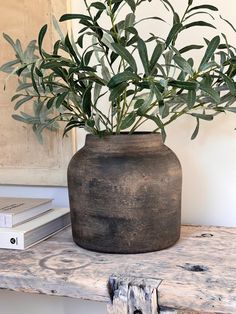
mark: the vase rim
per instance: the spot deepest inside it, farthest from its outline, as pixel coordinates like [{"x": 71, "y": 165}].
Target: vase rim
[
  {"x": 149, "y": 133},
  {"x": 123, "y": 141}
]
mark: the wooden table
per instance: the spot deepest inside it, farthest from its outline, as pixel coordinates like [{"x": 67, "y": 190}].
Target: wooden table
[{"x": 197, "y": 275}]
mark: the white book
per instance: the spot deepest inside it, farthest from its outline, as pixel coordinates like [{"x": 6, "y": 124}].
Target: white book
[
  {"x": 14, "y": 211},
  {"x": 35, "y": 230}
]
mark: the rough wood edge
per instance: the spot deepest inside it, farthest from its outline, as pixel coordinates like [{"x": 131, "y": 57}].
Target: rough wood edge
[{"x": 132, "y": 295}]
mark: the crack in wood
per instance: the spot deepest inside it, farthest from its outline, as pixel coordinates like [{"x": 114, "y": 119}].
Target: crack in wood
[{"x": 194, "y": 268}]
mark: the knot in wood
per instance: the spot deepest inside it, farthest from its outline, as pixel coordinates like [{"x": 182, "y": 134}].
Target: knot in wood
[
  {"x": 205, "y": 235},
  {"x": 194, "y": 268}
]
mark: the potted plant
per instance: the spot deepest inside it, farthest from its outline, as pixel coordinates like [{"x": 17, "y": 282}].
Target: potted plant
[{"x": 124, "y": 186}]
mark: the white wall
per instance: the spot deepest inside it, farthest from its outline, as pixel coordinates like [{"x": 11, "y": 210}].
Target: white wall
[
  {"x": 209, "y": 175},
  {"x": 208, "y": 163}
]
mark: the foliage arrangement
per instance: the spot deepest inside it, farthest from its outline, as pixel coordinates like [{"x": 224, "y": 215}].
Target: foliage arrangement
[{"x": 110, "y": 79}]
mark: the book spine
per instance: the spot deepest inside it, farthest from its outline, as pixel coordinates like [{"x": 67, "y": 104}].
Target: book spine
[
  {"x": 6, "y": 221},
  {"x": 12, "y": 240},
  {"x": 10, "y": 220}
]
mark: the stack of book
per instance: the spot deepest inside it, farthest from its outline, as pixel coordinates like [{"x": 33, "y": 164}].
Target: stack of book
[{"x": 27, "y": 221}]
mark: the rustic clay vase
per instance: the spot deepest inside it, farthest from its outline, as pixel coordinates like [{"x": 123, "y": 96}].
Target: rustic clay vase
[{"x": 125, "y": 194}]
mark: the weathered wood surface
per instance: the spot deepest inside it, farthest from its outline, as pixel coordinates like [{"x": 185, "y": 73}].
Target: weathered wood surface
[{"x": 198, "y": 274}]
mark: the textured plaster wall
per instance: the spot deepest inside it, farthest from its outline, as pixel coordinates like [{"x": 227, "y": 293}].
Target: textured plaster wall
[{"x": 209, "y": 179}]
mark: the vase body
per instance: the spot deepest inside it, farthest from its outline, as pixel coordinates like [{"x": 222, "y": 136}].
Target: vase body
[{"x": 125, "y": 194}]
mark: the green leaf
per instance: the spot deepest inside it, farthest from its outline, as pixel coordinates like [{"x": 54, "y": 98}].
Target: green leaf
[
  {"x": 38, "y": 72},
  {"x": 207, "y": 117},
  {"x": 133, "y": 40},
  {"x": 60, "y": 99},
  {"x": 198, "y": 23},
  {"x": 19, "y": 70},
  {"x": 142, "y": 49},
  {"x": 10, "y": 41},
  {"x": 105, "y": 72},
  {"x": 7, "y": 67},
  {"x": 183, "y": 85},
  {"x": 16, "y": 96},
  {"x": 122, "y": 77},
  {"x": 98, "y": 5},
  {"x": 168, "y": 56},
  {"x": 33, "y": 79},
  {"x": 157, "y": 93},
  {"x": 199, "y": 13},
  {"x": 116, "y": 6},
  {"x": 231, "y": 109},
  {"x": 195, "y": 133},
  {"x": 163, "y": 109},
  {"x": 132, "y": 4},
  {"x": 71, "y": 49},
  {"x": 147, "y": 103},
  {"x": 169, "y": 5},
  {"x": 16, "y": 46},
  {"x": 204, "y": 6},
  {"x": 215, "y": 96},
  {"x": 87, "y": 101},
  {"x": 126, "y": 55},
  {"x": 209, "y": 65},
  {"x": 22, "y": 101},
  {"x": 108, "y": 40},
  {"x": 58, "y": 29},
  {"x": 97, "y": 92},
  {"x": 191, "y": 98},
  {"x": 138, "y": 103},
  {"x": 183, "y": 64},
  {"x": 129, "y": 21},
  {"x": 87, "y": 57},
  {"x": 173, "y": 33},
  {"x": 176, "y": 18},
  {"x": 117, "y": 91},
  {"x": 89, "y": 126},
  {"x": 72, "y": 124},
  {"x": 229, "y": 23},
  {"x": 41, "y": 37},
  {"x": 156, "y": 119},
  {"x": 155, "y": 56},
  {"x": 128, "y": 121},
  {"x": 23, "y": 86},
  {"x": 229, "y": 82},
  {"x": 213, "y": 44},
  {"x": 50, "y": 102},
  {"x": 233, "y": 60},
  {"x": 150, "y": 18},
  {"x": 67, "y": 17},
  {"x": 80, "y": 40},
  {"x": 20, "y": 119},
  {"x": 190, "y": 47}
]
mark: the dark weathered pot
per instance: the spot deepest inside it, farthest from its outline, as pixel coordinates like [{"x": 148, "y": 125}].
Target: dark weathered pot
[{"x": 125, "y": 194}]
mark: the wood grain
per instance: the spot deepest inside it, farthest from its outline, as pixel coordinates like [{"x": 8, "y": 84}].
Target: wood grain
[{"x": 198, "y": 274}]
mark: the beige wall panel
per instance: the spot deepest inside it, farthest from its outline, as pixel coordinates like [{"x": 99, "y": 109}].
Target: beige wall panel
[{"x": 22, "y": 159}]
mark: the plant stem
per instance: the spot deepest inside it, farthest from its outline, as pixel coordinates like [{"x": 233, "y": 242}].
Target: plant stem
[{"x": 99, "y": 40}]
